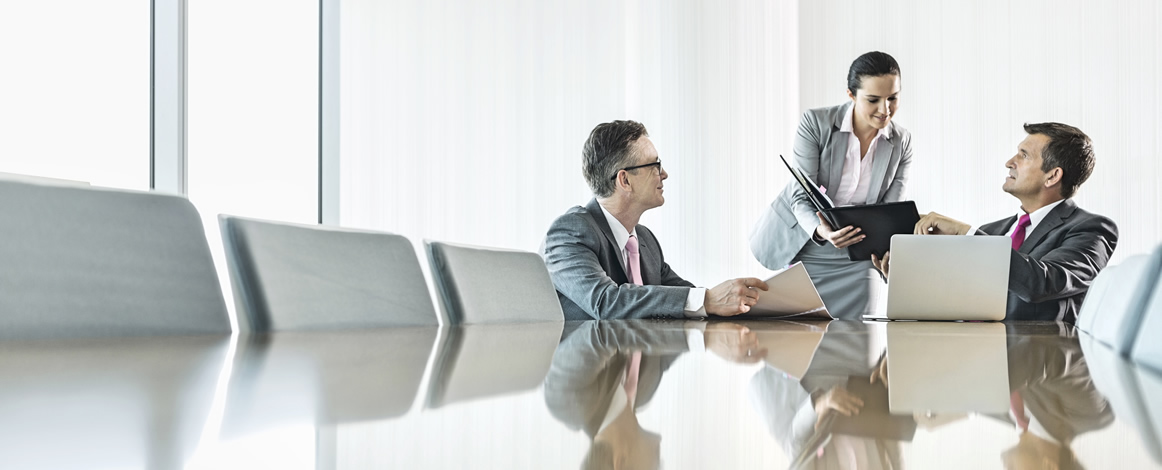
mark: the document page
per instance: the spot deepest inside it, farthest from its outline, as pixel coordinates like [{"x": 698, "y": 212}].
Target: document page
[{"x": 791, "y": 294}]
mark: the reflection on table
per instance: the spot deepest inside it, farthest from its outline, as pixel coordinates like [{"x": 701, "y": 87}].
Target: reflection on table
[{"x": 610, "y": 394}]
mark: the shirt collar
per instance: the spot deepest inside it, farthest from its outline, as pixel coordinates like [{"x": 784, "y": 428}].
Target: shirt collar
[
  {"x": 1038, "y": 215},
  {"x": 619, "y": 233},
  {"x": 848, "y": 124}
]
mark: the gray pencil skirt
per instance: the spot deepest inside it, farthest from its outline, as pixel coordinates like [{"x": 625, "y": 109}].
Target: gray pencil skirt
[{"x": 850, "y": 289}]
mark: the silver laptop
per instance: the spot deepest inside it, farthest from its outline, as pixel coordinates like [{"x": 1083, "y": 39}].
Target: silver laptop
[
  {"x": 948, "y": 277},
  {"x": 938, "y": 368}
]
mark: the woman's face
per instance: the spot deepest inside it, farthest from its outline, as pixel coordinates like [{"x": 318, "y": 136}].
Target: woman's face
[{"x": 876, "y": 101}]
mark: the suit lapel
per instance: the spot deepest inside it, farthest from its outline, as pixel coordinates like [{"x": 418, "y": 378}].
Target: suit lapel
[
  {"x": 882, "y": 157},
  {"x": 838, "y": 152},
  {"x": 999, "y": 227},
  {"x": 1052, "y": 220},
  {"x": 599, "y": 218},
  {"x": 649, "y": 259}
]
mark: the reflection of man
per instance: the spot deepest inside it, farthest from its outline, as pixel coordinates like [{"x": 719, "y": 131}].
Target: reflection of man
[
  {"x": 1053, "y": 400},
  {"x": 603, "y": 264},
  {"x": 803, "y": 415},
  {"x": 1058, "y": 248},
  {"x": 603, "y": 373}
]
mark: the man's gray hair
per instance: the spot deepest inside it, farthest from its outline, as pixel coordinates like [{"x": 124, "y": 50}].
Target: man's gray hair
[{"x": 609, "y": 149}]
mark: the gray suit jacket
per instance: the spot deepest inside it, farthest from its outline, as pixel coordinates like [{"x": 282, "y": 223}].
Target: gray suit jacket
[
  {"x": 1050, "y": 274},
  {"x": 820, "y": 150},
  {"x": 589, "y": 364},
  {"x": 585, "y": 263}
]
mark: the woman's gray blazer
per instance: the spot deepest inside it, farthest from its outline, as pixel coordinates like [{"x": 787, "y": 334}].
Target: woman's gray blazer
[{"x": 820, "y": 148}]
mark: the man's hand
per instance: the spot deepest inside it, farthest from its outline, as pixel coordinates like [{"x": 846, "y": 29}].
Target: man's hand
[
  {"x": 936, "y": 224},
  {"x": 734, "y": 296},
  {"x": 733, "y": 342},
  {"x": 841, "y": 238},
  {"x": 836, "y": 400},
  {"x": 882, "y": 264}
]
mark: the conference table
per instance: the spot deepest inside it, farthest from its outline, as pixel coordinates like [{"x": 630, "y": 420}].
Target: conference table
[{"x": 612, "y": 394}]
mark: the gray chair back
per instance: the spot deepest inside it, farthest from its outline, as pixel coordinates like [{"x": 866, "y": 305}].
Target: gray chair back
[
  {"x": 492, "y": 285},
  {"x": 1114, "y": 308},
  {"x": 300, "y": 277},
  {"x": 1148, "y": 347},
  {"x": 80, "y": 261}
]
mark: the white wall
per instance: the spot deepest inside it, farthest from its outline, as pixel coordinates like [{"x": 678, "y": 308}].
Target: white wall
[
  {"x": 464, "y": 122},
  {"x": 973, "y": 72}
]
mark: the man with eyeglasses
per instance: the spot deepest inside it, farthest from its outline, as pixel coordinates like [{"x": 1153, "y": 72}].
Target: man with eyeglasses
[{"x": 606, "y": 266}]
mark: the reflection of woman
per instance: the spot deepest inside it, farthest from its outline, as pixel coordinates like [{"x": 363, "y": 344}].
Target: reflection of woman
[
  {"x": 796, "y": 412},
  {"x": 859, "y": 156}
]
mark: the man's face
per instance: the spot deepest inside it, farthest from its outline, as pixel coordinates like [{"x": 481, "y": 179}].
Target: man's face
[
  {"x": 647, "y": 182},
  {"x": 1025, "y": 177}
]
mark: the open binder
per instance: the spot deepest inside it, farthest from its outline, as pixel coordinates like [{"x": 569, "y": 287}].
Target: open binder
[{"x": 878, "y": 221}]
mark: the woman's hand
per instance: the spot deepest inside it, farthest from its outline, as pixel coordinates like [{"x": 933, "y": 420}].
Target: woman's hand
[
  {"x": 836, "y": 400},
  {"x": 882, "y": 263},
  {"x": 841, "y": 238}
]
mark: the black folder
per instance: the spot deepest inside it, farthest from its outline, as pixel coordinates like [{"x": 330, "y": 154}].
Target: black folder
[{"x": 877, "y": 221}]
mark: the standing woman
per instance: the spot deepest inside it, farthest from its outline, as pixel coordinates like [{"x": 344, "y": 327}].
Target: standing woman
[{"x": 860, "y": 156}]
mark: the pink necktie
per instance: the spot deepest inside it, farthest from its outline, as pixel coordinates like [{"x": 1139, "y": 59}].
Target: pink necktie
[
  {"x": 634, "y": 263},
  {"x": 1017, "y": 406},
  {"x": 632, "y": 370},
  {"x": 1019, "y": 233}
]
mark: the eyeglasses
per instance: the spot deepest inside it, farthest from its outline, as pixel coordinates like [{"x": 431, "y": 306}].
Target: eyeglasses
[{"x": 657, "y": 164}]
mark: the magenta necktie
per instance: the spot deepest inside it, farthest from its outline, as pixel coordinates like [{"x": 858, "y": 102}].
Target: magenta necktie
[
  {"x": 634, "y": 264},
  {"x": 1019, "y": 233}
]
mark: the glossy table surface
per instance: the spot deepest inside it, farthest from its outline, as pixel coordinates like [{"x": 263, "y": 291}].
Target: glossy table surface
[{"x": 620, "y": 394}]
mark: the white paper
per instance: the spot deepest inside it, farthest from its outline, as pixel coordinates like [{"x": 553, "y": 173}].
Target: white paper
[
  {"x": 790, "y": 293},
  {"x": 790, "y": 345}
]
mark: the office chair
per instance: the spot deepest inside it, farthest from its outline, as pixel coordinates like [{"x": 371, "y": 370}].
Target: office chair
[
  {"x": 1115, "y": 306},
  {"x": 300, "y": 277},
  {"x": 1147, "y": 349},
  {"x": 83, "y": 262},
  {"x": 491, "y": 285}
]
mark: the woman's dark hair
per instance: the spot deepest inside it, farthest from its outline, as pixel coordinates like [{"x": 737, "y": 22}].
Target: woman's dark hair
[{"x": 872, "y": 64}]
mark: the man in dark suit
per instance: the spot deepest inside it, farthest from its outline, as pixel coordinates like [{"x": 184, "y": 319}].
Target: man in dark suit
[
  {"x": 603, "y": 264},
  {"x": 1058, "y": 247}
]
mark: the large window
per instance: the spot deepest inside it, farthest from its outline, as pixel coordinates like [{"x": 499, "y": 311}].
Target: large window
[{"x": 74, "y": 94}]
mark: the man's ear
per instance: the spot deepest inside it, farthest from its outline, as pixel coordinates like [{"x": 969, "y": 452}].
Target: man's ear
[
  {"x": 1054, "y": 176},
  {"x": 623, "y": 180}
]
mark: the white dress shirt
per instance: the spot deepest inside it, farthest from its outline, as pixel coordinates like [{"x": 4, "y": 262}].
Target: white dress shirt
[
  {"x": 694, "y": 300},
  {"x": 1034, "y": 218},
  {"x": 855, "y": 181}
]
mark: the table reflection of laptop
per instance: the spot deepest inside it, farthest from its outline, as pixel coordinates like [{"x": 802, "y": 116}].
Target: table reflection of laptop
[
  {"x": 947, "y": 368},
  {"x": 947, "y": 278}
]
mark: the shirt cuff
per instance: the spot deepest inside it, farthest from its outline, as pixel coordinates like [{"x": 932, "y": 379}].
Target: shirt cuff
[
  {"x": 972, "y": 230},
  {"x": 695, "y": 301},
  {"x": 695, "y": 336}
]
